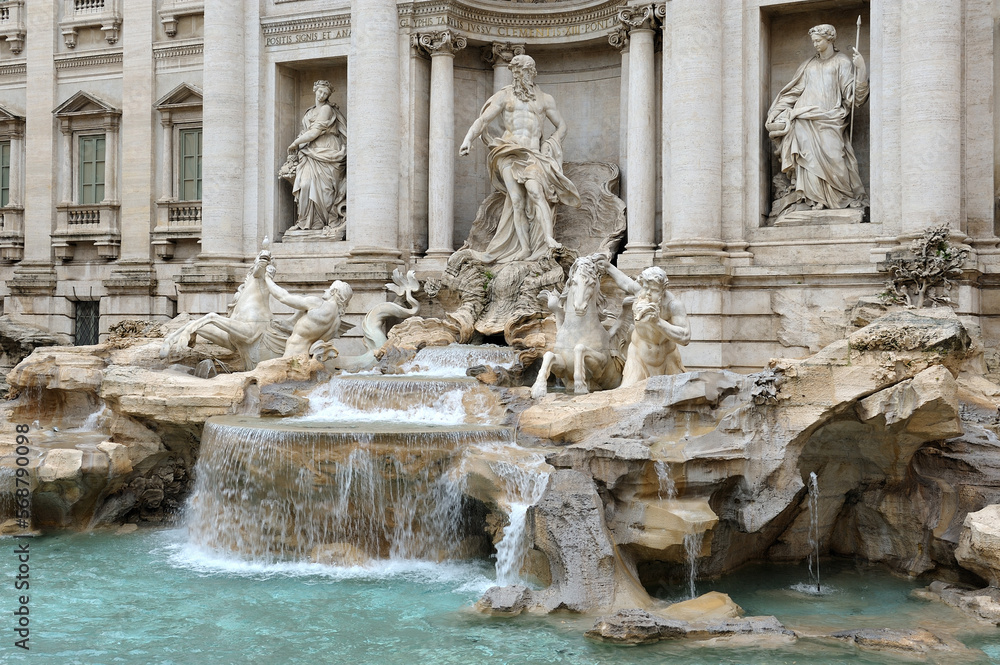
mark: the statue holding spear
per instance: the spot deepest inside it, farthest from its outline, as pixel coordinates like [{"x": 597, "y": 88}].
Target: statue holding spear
[{"x": 809, "y": 125}]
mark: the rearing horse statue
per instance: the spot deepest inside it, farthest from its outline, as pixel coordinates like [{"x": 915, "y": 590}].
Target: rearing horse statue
[
  {"x": 586, "y": 355},
  {"x": 249, "y": 329}
]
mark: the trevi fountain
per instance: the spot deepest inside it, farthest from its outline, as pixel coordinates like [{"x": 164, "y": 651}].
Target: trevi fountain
[{"x": 527, "y": 448}]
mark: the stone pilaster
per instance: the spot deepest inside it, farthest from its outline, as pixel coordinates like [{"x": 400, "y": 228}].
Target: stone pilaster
[
  {"x": 137, "y": 130},
  {"x": 640, "y": 184},
  {"x": 692, "y": 126},
  {"x": 225, "y": 138},
  {"x": 34, "y": 280},
  {"x": 931, "y": 115},
  {"x": 499, "y": 55},
  {"x": 373, "y": 93},
  {"x": 442, "y": 47}
]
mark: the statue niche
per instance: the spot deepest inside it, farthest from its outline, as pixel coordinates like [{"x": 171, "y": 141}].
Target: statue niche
[
  {"x": 811, "y": 123},
  {"x": 542, "y": 215},
  {"x": 317, "y": 170}
]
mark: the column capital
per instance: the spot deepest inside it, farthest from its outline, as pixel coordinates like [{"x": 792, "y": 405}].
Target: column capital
[
  {"x": 501, "y": 52},
  {"x": 443, "y": 42},
  {"x": 642, "y": 17}
]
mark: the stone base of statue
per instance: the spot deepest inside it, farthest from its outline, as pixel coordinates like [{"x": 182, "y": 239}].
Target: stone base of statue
[
  {"x": 817, "y": 217},
  {"x": 328, "y": 233},
  {"x": 501, "y": 299}
]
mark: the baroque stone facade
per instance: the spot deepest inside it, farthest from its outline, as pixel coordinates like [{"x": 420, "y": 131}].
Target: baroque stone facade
[{"x": 111, "y": 111}]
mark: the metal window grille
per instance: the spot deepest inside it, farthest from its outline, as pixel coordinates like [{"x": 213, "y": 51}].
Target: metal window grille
[{"x": 88, "y": 319}]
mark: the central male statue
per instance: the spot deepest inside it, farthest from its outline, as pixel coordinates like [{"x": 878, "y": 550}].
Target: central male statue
[{"x": 522, "y": 166}]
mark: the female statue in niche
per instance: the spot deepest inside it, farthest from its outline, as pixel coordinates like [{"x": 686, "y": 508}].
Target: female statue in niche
[
  {"x": 317, "y": 167},
  {"x": 808, "y": 123}
]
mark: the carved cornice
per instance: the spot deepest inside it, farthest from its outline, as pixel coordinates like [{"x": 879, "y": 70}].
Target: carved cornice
[
  {"x": 178, "y": 51},
  {"x": 501, "y": 52},
  {"x": 442, "y": 42},
  {"x": 530, "y": 22},
  {"x": 73, "y": 60},
  {"x": 286, "y": 25},
  {"x": 15, "y": 69}
]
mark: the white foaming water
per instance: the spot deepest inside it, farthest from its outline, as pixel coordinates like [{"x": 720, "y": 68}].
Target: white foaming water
[
  {"x": 333, "y": 403},
  {"x": 455, "y": 359},
  {"x": 270, "y": 495},
  {"x": 692, "y": 547},
  {"x": 92, "y": 422},
  {"x": 665, "y": 481},
  {"x": 814, "y": 530},
  {"x": 524, "y": 476}
]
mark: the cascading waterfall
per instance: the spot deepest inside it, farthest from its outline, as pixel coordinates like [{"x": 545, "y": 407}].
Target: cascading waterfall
[
  {"x": 372, "y": 471},
  {"x": 814, "y": 530},
  {"x": 271, "y": 491},
  {"x": 667, "y": 489},
  {"x": 454, "y": 359},
  {"x": 524, "y": 482},
  {"x": 692, "y": 548}
]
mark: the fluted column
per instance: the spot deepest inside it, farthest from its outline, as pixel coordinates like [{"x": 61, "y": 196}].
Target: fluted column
[
  {"x": 931, "y": 115},
  {"x": 167, "y": 159},
  {"x": 692, "y": 124},
  {"x": 640, "y": 185},
  {"x": 499, "y": 54},
  {"x": 224, "y": 136},
  {"x": 442, "y": 47},
  {"x": 373, "y": 151}
]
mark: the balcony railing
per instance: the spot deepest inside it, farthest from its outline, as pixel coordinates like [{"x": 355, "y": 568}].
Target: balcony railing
[
  {"x": 175, "y": 220},
  {"x": 12, "y": 21},
  {"x": 105, "y": 15},
  {"x": 98, "y": 223},
  {"x": 11, "y": 234}
]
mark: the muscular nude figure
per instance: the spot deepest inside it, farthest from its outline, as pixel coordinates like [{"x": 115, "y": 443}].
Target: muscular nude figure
[
  {"x": 523, "y": 166},
  {"x": 318, "y": 317},
  {"x": 660, "y": 326}
]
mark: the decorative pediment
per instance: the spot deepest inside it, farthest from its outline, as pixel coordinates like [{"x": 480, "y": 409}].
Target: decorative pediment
[
  {"x": 83, "y": 103},
  {"x": 6, "y": 115},
  {"x": 184, "y": 96}
]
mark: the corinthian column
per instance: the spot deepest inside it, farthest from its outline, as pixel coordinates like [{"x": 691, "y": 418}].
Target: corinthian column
[
  {"x": 692, "y": 124},
  {"x": 931, "y": 115},
  {"x": 373, "y": 151},
  {"x": 442, "y": 47},
  {"x": 640, "y": 184},
  {"x": 499, "y": 54}
]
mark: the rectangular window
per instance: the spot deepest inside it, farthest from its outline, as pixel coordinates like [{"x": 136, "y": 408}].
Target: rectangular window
[
  {"x": 91, "y": 169},
  {"x": 87, "y": 314},
  {"x": 4, "y": 173},
  {"x": 190, "y": 166}
]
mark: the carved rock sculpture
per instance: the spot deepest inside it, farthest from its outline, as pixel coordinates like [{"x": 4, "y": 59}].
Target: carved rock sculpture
[
  {"x": 249, "y": 328},
  {"x": 373, "y": 328},
  {"x": 587, "y": 356},
  {"x": 928, "y": 272},
  {"x": 809, "y": 124},
  {"x": 317, "y": 168},
  {"x": 660, "y": 325},
  {"x": 526, "y": 169},
  {"x": 502, "y": 298}
]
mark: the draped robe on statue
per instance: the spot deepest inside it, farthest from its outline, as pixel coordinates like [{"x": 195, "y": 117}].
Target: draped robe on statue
[
  {"x": 816, "y": 153},
  {"x": 320, "y": 186},
  {"x": 542, "y": 166}
]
